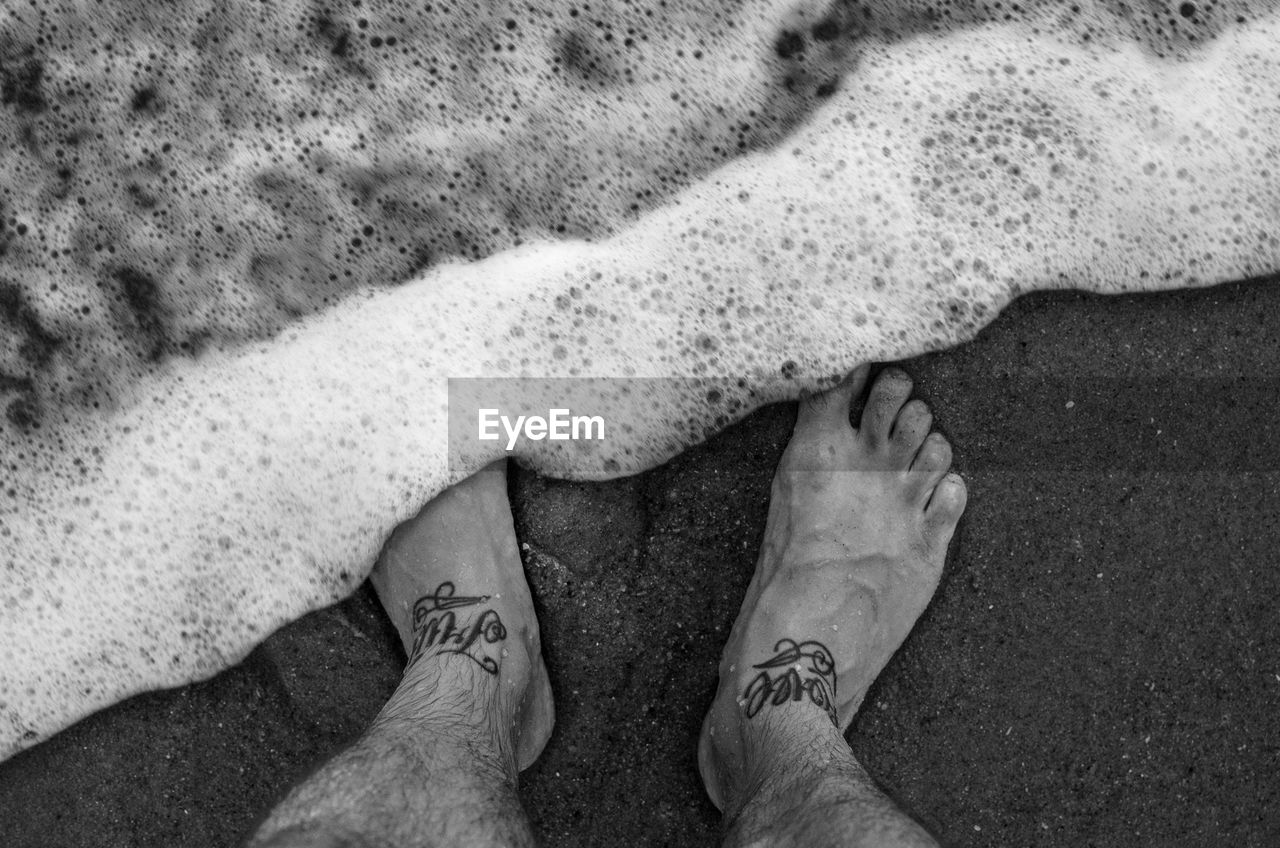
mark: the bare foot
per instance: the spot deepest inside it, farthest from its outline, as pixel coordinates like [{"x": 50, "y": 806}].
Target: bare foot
[
  {"x": 452, "y": 581},
  {"x": 859, "y": 521},
  {"x": 439, "y": 764}
]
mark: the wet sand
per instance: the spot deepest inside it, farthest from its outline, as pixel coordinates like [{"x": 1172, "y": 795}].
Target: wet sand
[{"x": 1101, "y": 665}]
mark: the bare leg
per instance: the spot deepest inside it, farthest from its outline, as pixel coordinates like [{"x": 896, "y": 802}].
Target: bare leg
[
  {"x": 858, "y": 527},
  {"x": 438, "y": 766}
]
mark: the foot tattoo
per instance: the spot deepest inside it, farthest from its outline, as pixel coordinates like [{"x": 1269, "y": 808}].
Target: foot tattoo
[
  {"x": 452, "y": 582},
  {"x": 436, "y": 628},
  {"x": 859, "y": 520},
  {"x": 811, "y": 674}
]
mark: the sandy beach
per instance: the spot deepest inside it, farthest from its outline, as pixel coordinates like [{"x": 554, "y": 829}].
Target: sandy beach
[{"x": 1100, "y": 666}]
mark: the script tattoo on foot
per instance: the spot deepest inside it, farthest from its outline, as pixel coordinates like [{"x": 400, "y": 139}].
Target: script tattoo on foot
[
  {"x": 438, "y": 629},
  {"x": 810, "y": 673}
]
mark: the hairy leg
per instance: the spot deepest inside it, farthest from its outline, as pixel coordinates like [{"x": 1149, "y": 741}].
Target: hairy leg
[
  {"x": 859, "y": 522},
  {"x": 438, "y": 766}
]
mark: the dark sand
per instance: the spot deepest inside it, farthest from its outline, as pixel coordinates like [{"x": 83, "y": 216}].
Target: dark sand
[{"x": 1101, "y": 665}]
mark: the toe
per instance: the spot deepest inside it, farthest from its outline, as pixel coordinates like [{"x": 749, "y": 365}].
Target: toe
[
  {"x": 912, "y": 426},
  {"x": 831, "y": 408},
  {"x": 945, "y": 507},
  {"x": 932, "y": 462},
  {"x": 888, "y": 394}
]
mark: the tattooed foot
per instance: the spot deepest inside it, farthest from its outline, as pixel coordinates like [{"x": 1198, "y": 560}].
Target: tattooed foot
[
  {"x": 859, "y": 521},
  {"x": 452, "y": 582}
]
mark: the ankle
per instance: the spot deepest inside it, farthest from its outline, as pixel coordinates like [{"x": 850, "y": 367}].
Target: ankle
[
  {"x": 792, "y": 764},
  {"x": 795, "y": 804},
  {"x": 777, "y": 752},
  {"x": 448, "y": 702}
]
